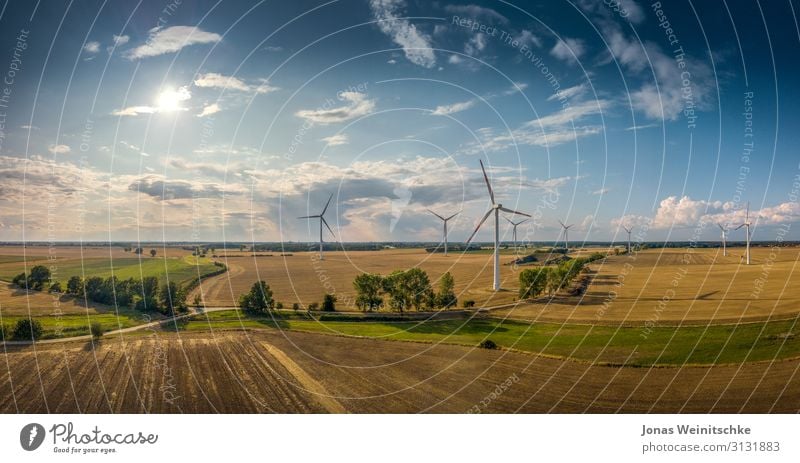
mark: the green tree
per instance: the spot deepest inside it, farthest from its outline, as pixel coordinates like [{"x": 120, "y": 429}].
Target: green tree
[
  {"x": 28, "y": 329},
  {"x": 75, "y": 286},
  {"x": 20, "y": 280},
  {"x": 258, "y": 300},
  {"x": 173, "y": 299},
  {"x": 329, "y": 303},
  {"x": 39, "y": 277},
  {"x": 407, "y": 289},
  {"x": 368, "y": 291},
  {"x": 152, "y": 253},
  {"x": 96, "y": 330},
  {"x": 55, "y": 287},
  {"x": 532, "y": 282},
  {"x": 446, "y": 297},
  {"x": 555, "y": 280},
  {"x": 148, "y": 296}
]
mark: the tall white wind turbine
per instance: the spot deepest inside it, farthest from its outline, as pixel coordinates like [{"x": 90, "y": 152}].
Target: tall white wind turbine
[
  {"x": 628, "y": 230},
  {"x": 514, "y": 232},
  {"x": 566, "y": 235},
  {"x": 724, "y": 231},
  {"x": 444, "y": 231},
  {"x": 321, "y": 217},
  {"x": 747, "y": 224},
  {"x": 496, "y": 208}
]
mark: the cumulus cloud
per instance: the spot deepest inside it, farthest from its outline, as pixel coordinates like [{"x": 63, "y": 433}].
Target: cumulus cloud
[
  {"x": 336, "y": 140},
  {"x": 453, "y": 108},
  {"x": 357, "y": 105},
  {"x": 59, "y": 149},
  {"x": 214, "y": 80},
  {"x": 161, "y": 41},
  {"x": 209, "y": 110},
  {"x": 158, "y": 187},
  {"x": 526, "y": 37},
  {"x": 476, "y": 44},
  {"x": 569, "y": 50},
  {"x": 416, "y": 45},
  {"x": 91, "y": 47}
]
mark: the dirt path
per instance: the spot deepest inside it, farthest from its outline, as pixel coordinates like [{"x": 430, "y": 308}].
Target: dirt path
[
  {"x": 213, "y": 288},
  {"x": 305, "y": 380}
]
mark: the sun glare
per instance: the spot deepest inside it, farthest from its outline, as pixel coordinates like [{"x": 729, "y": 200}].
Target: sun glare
[{"x": 170, "y": 99}]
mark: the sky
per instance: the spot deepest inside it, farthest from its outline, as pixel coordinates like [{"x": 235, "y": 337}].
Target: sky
[{"x": 210, "y": 121}]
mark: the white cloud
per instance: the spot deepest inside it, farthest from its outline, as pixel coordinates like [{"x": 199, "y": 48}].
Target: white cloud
[
  {"x": 526, "y": 37},
  {"x": 357, "y": 105},
  {"x": 476, "y": 44},
  {"x": 120, "y": 40},
  {"x": 416, "y": 45},
  {"x": 209, "y": 110},
  {"x": 475, "y": 11},
  {"x": 455, "y": 59},
  {"x": 91, "y": 47},
  {"x": 601, "y": 191},
  {"x": 214, "y": 80},
  {"x": 392, "y": 61},
  {"x": 59, "y": 149},
  {"x": 453, "y": 108},
  {"x": 336, "y": 140},
  {"x": 516, "y": 89},
  {"x": 568, "y": 93},
  {"x": 170, "y": 40},
  {"x": 569, "y": 50}
]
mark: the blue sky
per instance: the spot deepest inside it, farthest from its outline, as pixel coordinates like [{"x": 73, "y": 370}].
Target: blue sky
[{"x": 226, "y": 120}]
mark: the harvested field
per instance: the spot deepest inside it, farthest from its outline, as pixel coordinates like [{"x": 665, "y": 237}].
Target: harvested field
[{"x": 245, "y": 372}]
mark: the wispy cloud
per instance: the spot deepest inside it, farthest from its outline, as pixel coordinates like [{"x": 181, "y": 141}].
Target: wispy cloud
[
  {"x": 445, "y": 110},
  {"x": 91, "y": 47},
  {"x": 208, "y": 110},
  {"x": 416, "y": 45},
  {"x": 59, "y": 149},
  {"x": 214, "y": 80},
  {"x": 569, "y": 49},
  {"x": 357, "y": 105},
  {"x": 161, "y": 41},
  {"x": 336, "y": 140},
  {"x": 475, "y": 11}
]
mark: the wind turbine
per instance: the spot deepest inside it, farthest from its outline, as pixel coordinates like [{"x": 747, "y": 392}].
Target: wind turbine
[
  {"x": 629, "y": 230},
  {"x": 496, "y": 208},
  {"x": 444, "y": 232},
  {"x": 321, "y": 217},
  {"x": 566, "y": 235},
  {"x": 724, "y": 243},
  {"x": 747, "y": 229},
  {"x": 515, "y": 224}
]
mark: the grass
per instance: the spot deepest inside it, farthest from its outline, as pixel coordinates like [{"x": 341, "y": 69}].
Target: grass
[
  {"x": 663, "y": 345},
  {"x": 69, "y": 325},
  {"x": 178, "y": 269}
]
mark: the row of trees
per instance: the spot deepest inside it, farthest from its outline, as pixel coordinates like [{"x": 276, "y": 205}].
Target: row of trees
[
  {"x": 535, "y": 281},
  {"x": 259, "y": 300},
  {"x": 404, "y": 289},
  {"x": 145, "y": 294}
]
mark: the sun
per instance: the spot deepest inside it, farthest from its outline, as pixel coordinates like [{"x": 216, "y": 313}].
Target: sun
[{"x": 170, "y": 99}]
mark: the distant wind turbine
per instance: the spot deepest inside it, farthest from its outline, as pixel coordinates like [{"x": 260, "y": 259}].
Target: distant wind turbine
[
  {"x": 566, "y": 234},
  {"x": 496, "y": 208},
  {"x": 724, "y": 231},
  {"x": 444, "y": 232},
  {"x": 628, "y": 230},
  {"x": 747, "y": 225},
  {"x": 321, "y": 217},
  {"x": 514, "y": 233}
]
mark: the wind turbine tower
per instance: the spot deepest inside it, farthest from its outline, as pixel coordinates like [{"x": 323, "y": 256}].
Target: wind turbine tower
[
  {"x": 747, "y": 225},
  {"x": 628, "y": 230},
  {"x": 514, "y": 233},
  {"x": 724, "y": 231},
  {"x": 566, "y": 234},
  {"x": 321, "y": 217},
  {"x": 496, "y": 209},
  {"x": 444, "y": 232}
]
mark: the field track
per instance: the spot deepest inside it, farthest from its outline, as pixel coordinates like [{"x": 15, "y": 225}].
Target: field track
[{"x": 269, "y": 371}]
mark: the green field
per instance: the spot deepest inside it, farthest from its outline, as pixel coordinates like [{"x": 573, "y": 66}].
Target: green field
[
  {"x": 605, "y": 344},
  {"x": 78, "y": 325},
  {"x": 178, "y": 269}
]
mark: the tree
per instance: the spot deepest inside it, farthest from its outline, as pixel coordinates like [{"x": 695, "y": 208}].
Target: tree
[
  {"x": 96, "y": 330},
  {"x": 198, "y": 301},
  {"x": 149, "y": 291},
  {"x": 295, "y": 306},
  {"x": 94, "y": 289},
  {"x": 152, "y": 253},
  {"x": 27, "y": 329},
  {"x": 258, "y": 300},
  {"x": 407, "y": 289},
  {"x": 368, "y": 291},
  {"x": 555, "y": 280},
  {"x": 329, "y": 303},
  {"x": 20, "y": 280},
  {"x": 446, "y": 296},
  {"x": 75, "y": 286},
  {"x": 532, "y": 282},
  {"x": 173, "y": 299},
  {"x": 40, "y": 275},
  {"x": 55, "y": 287},
  {"x": 137, "y": 251},
  {"x": 468, "y": 303}
]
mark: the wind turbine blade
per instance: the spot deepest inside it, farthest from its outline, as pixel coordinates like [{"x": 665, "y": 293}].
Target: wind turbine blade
[
  {"x": 522, "y": 221},
  {"x": 569, "y": 226},
  {"x": 747, "y": 214},
  {"x": 326, "y": 206},
  {"x": 740, "y": 226},
  {"x": 721, "y": 227},
  {"x": 328, "y": 226},
  {"x": 459, "y": 212},
  {"x": 308, "y": 217},
  {"x": 479, "y": 225},
  {"x": 509, "y": 221},
  {"x": 488, "y": 185},
  {"x": 562, "y": 223},
  {"x": 437, "y": 215},
  {"x": 512, "y": 211},
  {"x": 627, "y": 230}
]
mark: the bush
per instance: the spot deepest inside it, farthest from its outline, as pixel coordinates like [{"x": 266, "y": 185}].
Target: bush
[
  {"x": 55, "y": 287},
  {"x": 487, "y": 344},
  {"x": 313, "y": 306},
  {"x": 279, "y": 305},
  {"x": 27, "y": 330},
  {"x": 5, "y": 331},
  {"x": 329, "y": 303},
  {"x": 96, "y": 330},
  {"x": 20, "y": 280},
  {"x": 468, "y": 303},
  {"x": 40, "y": 275},
  {"x": 295, "y": 306}
]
